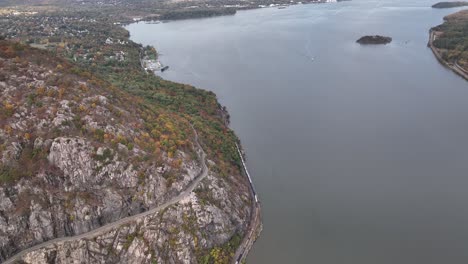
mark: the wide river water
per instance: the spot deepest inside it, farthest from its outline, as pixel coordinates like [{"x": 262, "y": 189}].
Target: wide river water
[{"x": 359, "y": 153}]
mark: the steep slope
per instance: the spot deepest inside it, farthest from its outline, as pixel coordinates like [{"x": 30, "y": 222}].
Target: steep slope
[{"x": 78, "y": 153}]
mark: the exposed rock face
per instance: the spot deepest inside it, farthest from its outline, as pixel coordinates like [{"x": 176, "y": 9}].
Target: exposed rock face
[
  {"x": 74, "y": 159},
  {"x": 374, "y": 40},
  {"x": 175, "y": 235}
]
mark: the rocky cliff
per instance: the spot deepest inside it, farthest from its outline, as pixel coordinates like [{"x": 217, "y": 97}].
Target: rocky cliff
[{"x": 77, "y": 154}]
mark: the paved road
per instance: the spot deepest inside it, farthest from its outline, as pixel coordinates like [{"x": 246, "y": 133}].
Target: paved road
[
  {"x": 460, "y": 67},
  {"x": 106, "y": 228},
  {"x": 255, "y": 220}
]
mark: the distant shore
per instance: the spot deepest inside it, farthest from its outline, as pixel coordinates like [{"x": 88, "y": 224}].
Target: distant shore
[
  {"x": 450, "y": 4},
  {"x": 195, "y": 12}
]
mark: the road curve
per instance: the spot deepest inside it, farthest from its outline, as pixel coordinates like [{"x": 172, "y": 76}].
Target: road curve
[{"x": 106, "y": 228}]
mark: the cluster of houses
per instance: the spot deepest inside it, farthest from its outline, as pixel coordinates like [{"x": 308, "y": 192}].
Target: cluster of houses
[
  {"x": 72, "y": 36},
  {"x": 44, "y": 29}
]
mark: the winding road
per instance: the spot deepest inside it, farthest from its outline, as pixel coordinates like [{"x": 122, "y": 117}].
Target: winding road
[{"x": 106, "y": 228}]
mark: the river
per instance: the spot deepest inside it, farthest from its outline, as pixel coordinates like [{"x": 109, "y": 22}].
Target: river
[{"x": 359, "y": 153}]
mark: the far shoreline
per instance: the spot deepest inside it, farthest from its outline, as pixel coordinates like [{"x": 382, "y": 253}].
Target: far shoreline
[{"x": 222, "y": 11}]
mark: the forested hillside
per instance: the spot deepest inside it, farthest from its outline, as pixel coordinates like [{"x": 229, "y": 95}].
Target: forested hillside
[{"x": 451, "y": 38}]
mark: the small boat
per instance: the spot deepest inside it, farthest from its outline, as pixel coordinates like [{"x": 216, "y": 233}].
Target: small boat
[
  {"x": 164, "y": 68},
  {"x": 281, "y": 7}
]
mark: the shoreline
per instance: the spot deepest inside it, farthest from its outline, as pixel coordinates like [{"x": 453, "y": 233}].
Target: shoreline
[
  {"x": 255, "y": 225},
  {"x": 453, "y": 66}
]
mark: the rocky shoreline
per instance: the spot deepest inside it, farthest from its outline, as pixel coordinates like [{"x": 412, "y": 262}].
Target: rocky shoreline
[
  {"x": 94, "y": 165},
  {"x": 255, "y": 225}
]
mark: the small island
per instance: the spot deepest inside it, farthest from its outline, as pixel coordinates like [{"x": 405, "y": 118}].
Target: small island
[
  {"x": 450, "y": 4},
  {"x": 374, "y": 40}
]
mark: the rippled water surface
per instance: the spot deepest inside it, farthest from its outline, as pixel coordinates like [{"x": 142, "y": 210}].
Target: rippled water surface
[{"x": 359, "y": 154}]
